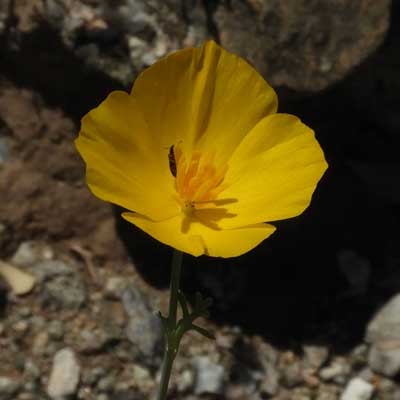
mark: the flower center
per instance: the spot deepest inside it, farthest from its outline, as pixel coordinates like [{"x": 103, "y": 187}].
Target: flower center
[{"x": 198, "y": 179}]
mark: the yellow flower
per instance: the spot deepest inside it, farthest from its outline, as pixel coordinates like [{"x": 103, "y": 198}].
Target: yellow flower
[{"x": 199, "y": 154}]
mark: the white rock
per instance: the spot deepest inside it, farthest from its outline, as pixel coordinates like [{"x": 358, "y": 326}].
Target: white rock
[
  {"x": 384, "y": 358},
  {"x": 64, "y": 377},
  {"x": 357, "y": 389},
  {"x": 334, "y": 371},
  {"x": 209, "y": 377},
  {"x": 20, "y": 282}
]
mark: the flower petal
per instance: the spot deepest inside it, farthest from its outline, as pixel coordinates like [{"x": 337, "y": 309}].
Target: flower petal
[
  {"x": 123, "y": 166},
  {"x": 198, "y": 239},
  {"x": 273, "y": 172},
  {"x": 168, "y": 232},
  {"x": 233, "y": 242},
  {"x": 205, "y": 97}
]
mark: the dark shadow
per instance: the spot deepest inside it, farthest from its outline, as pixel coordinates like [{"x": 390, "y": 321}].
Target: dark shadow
[{"x": 41, "y": 62}]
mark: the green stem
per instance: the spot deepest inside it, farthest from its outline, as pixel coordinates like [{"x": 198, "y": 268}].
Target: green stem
[{"x": 171, "y": 344}]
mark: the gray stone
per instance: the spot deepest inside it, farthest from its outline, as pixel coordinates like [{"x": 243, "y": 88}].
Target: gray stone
[
  {"x": 337, "y": 371},
  {"x": 144, "y": 328},
  {"x": 93, "y": 341},
  {"x": 40, "y": 343},
  {"x": 49, "y": 269},
  {"x": 65, "y": 374},
  {"x": 270, "y": 383},
  {"x": 357, "y": 389},
  {"x": 359, "y": 355},
  {"x": 25, "y": 312},
  {"x": 106, "y": 384},
  {"x": 385, "y": 325},
  {"x": 209, "y": 377},
  {"x": 31, "y": 369},
  {"x": 8, "y": 388},
  {"x": 327, "y": 392},
  {"x": 92, "y": 376},
  {"x": 56, "y": 329},
  {"x": 292, "y": 374},
  {"x": 301, "y": 393},
  {"x": 315, "y": 356},
  {"x": 115, "y": 287},
  {"x": 64, "y": 292},
  {"x": 38, "y": 322},
  {"x": 30, "y": 252},
  {"x": 384, "y": 358}
]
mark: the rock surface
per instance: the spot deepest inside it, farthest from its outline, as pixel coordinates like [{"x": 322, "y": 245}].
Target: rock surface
[
  {"x": 144, "y": 328},
  {"x": 272, "y": 35},
  {"x": 303, "y": 56},
  {"x": 384, "y": 358},
  {"x": 386, "y": 323}
]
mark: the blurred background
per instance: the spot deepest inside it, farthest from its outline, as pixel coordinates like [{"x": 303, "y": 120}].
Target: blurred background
[{"x": 312, "y": 313}]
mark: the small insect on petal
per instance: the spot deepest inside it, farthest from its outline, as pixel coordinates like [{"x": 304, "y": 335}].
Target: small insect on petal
[{"x": 172, "y": 161}]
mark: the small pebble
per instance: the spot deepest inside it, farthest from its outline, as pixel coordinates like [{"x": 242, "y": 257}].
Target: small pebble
[
  {"x": 115, "y": 286},
  {"x": 25, "y": 312},
  {"x": 8, "y": 388},
  {"x": 56, "y": 330},
  {"x": 40, "y": 342},
  {"x": 106, "y": 384},
  {"x": 186, "y": 380},
  {"x": 315, "y": 356},
  {"x": 21, "y": 326},
  {"x": 334, "y": 371},
  {"x": 65, "y": 374},
  {"x": 292, "y": 374},
  {"x": 31, "y": 369}
]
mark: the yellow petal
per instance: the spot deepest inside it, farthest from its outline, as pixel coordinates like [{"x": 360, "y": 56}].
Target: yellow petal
[
  {"x": 232, "y": 242},
  {"x": 205, "y": 97},
  {"x": 168, "y": 232},
  {"x": 193, "y": 237},
  {"x": 273, "y": 172},
  {"x": 123, "y": 165}
]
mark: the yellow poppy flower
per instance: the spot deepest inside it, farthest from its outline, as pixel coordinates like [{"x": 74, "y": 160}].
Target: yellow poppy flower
[{"x": 199, "y": 154}]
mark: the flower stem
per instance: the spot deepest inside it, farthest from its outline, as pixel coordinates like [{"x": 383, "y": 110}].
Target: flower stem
[{"x": 171, "y": 344}]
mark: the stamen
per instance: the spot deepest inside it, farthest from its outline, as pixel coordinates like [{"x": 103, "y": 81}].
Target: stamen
[{"x": 199, "y": 181}]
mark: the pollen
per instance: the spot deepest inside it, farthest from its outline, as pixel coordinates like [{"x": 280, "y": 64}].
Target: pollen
[{"x": 198, "y": 179}]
